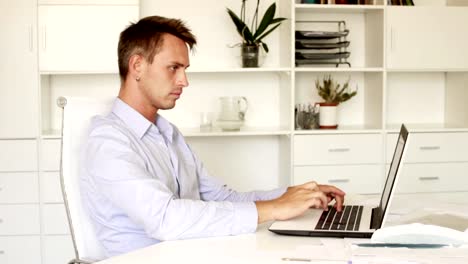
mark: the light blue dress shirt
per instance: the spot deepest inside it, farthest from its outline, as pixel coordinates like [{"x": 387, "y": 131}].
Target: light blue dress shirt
[{"x": 142, "y": 184}]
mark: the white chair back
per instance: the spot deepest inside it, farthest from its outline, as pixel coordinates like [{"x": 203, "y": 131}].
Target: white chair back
[{"x": 77, "y": 114}]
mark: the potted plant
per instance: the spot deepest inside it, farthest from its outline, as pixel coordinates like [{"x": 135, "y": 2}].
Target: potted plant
[
  {"x": 333, "y": 94},
  {"x": 252, "y": 37}
]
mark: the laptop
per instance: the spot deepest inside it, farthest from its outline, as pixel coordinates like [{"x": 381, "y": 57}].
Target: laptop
[{"x": 357, "y": 221}]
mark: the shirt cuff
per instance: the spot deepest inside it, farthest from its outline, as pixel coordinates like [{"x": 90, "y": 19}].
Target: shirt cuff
[{"x": 245, "y": 218}]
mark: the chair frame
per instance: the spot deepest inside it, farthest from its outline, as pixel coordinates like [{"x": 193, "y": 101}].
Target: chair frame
[{"x": 91, "y": 250}]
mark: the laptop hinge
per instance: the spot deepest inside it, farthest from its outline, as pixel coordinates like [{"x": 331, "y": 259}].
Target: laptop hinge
[{"x": 374, "y": 218}]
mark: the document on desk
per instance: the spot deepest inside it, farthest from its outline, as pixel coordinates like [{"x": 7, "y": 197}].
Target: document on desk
[
  {"x": 456, "y": 222},
  {"x": 407, "y": 255}
]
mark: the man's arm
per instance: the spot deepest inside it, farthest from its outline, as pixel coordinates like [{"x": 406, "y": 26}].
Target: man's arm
[
  {"x": 121, "y": 178},
  {"x": 278, "y": 204}
]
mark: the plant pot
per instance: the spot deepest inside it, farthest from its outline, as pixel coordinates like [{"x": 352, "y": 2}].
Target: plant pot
[
  {"x": 249, "y": 54},
  {"x": 328, "y": 115}
]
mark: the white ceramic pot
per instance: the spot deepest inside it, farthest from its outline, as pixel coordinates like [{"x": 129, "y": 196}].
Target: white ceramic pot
[{"x": 328, "y": 115}]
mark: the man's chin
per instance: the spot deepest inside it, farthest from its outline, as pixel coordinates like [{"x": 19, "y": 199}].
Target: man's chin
[{"x": 168, "y": 107}]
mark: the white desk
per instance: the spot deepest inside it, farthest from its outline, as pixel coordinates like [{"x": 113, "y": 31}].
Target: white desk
[{"x": 266, "y": 247}]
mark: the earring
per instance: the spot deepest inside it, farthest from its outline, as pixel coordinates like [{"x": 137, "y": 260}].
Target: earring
[{"x": 137, "y": 79}]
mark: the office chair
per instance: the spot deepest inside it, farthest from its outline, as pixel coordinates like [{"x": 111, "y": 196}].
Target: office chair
[{"x": 77, "y": 113}]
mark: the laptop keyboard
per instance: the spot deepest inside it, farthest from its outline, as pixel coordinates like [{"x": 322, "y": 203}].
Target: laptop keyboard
[{"x": 348, "y": 219}]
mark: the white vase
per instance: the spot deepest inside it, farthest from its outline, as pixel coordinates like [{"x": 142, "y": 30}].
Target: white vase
[{"x": 328, "y": 115}]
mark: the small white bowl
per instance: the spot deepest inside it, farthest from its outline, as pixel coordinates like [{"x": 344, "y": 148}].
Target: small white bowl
[{"x": 230, "y": 125}]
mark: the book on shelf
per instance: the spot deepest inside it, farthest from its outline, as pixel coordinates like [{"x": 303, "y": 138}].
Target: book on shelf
[{"x": 402, "y": 2}]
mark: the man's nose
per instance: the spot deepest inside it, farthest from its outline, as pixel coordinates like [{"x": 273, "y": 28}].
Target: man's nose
[{"x": 183, "y": 80}]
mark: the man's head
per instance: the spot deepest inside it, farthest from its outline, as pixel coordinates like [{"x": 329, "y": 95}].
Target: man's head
[
  {"x": 153, "y": 57},
  {"x": 145, "y": 38}
]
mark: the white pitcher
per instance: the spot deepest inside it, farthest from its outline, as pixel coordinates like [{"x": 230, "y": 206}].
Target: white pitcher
[{"x": 233, "y": 108}]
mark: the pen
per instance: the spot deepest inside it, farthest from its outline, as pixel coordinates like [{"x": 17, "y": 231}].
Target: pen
[
  {"x": 398, "y": 245},
  {"x": 296, "y": 259},
  {"x": 310, "y": 260}
]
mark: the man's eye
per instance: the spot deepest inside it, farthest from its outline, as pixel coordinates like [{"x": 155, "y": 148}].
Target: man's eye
[{"x": 173, "y": 68}]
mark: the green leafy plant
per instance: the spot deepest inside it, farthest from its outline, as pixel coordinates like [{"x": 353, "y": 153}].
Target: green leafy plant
[
  {"x": 332, "y": 92},
  {"x": 255, "y": 34}
]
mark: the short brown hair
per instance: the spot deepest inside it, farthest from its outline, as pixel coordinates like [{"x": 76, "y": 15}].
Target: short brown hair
[{"x": 145, "y": 38}]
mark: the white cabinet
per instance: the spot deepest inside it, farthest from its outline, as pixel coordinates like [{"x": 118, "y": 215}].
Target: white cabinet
[
  {"x": 435, "y": 162},
  {"x": 19, "y": 187},
  {"x": 57, "y": 249},
  {"x": 54, "y": 219},
  {"x": 18, "y": 70},
  {"x": 82, "y": 38},
  {"x": 430, "y": 38},
  {"x": 434, "y": 177},
  {"x": 19, "y": 220},
  {"x": 337, "y": 149},
  {"x": 363, "y": 179},
  {"x": 18, "y": 155},
  {"x": 51, "y": 191},
  {"x": 50, "y": 155},
  {"x": 20, "y": 250}
]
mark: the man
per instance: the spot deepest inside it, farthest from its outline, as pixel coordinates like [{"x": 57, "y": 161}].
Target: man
[{"x": 141, "y": 183}]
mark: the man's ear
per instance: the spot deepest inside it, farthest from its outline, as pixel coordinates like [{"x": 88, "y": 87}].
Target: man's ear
[{"x": 136, "y": 64}]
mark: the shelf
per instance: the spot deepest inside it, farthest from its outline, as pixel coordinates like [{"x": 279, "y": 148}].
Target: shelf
[
  {"x": 51, "y": 134},
  {"x": 334, "y": 69},
  {"x": 214, "y": 132},
  {"x": 364, "y": 129},
  {"x": 338, "y": 8},
  {"x": 240, "y": 70},
  {"x": 427, "y": 127},
  {"x": 88, "y": 2},
  {"x": 426, "y": 70},
  {"x": 244, "y": 131},
  {"x": 77, "y": 72}
]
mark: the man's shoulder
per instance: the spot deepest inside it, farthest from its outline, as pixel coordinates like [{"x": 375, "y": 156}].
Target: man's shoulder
[{"x": 107, "y": 126}]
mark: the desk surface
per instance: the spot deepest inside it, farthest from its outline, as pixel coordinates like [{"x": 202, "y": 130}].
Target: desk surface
[{"x": 266, "y": 247}]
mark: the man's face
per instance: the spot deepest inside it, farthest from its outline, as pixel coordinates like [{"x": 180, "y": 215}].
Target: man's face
[{"x": 162, "y": 81}]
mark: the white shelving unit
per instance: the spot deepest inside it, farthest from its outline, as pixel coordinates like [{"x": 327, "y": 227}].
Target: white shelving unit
[{"x": 400, "y": 76}]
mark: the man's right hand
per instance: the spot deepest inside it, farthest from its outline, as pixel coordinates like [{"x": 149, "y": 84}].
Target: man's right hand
[{"x": 297, "y": 200}]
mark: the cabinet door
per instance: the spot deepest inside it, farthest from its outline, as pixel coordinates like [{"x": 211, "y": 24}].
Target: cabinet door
[
  {"x": 18, "y": 155},
  {"x": 19, "y": 219},
  {"x": 19, "y": 187},
  {"x": 362, "y": 179},
  {"x": 20, "y": 250},
  {"x": 58, "y": 249},
  {"x": 81, "y": 38},
  {"x": 18, "y": 69},
  {"x": 427, "y": 37}
]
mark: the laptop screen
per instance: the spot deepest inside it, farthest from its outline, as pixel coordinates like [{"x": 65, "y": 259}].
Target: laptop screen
[{"x": 392, "y": 173}]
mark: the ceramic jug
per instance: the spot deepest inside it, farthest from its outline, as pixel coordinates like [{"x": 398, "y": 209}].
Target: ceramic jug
[{"x": 233, "y": 108}]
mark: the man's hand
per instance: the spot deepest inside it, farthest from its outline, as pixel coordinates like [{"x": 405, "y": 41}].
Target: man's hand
[{"x": 297, "y": 200}]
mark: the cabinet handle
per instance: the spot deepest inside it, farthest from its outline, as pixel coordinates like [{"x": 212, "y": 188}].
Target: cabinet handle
[
  {"x": 429, "y": 178},
  {"x": 1, "y": 189},
  {"x": 429, "y": 148},
  {"x": 1, "y": 220},
  {"x": 2, "y": 252},
  {"x": 338, "y": 180},
  {"x": 30, "y": 33},
  {"x": 44, "y": 38},
  {"x": 339, "y": 150},
  {"x": 392, "y": 39}
]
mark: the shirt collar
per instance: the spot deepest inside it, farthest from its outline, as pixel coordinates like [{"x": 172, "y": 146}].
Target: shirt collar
[
  {"x": 165, "y": 128},
  {"x": 138, "y": 123}
]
